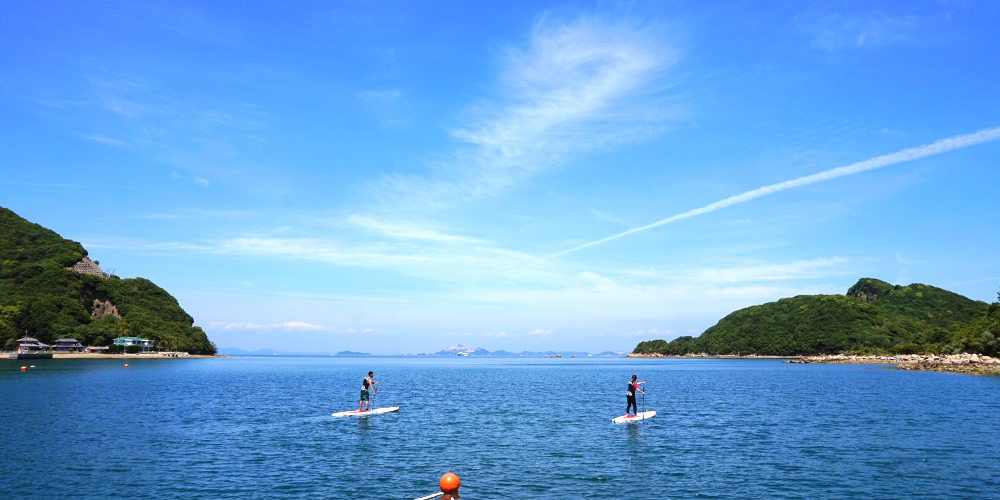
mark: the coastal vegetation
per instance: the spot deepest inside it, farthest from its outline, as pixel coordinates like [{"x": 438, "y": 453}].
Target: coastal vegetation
[
  {"x": 43, "y": 297},
  {"x": 874, "y": 317}
]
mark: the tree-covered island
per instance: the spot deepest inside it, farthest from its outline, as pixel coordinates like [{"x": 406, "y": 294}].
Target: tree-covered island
[
  {"x": 49, "y": 289},
  {"x": 874, "y": 317}
]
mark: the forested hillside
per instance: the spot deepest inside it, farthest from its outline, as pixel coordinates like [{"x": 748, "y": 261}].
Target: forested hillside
[
  {"x": 41, "y": 298},
  {"x": 873, "y": 317}
]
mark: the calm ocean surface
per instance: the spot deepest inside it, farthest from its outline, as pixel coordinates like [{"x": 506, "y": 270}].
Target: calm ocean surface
[{"x": 510, "y": 428}]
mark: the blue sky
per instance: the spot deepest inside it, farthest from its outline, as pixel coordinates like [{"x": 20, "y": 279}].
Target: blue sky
[{"x": 398, "y": 177}]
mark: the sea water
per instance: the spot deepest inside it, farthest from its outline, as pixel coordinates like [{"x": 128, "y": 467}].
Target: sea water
[{"x": 510, "y": 428}]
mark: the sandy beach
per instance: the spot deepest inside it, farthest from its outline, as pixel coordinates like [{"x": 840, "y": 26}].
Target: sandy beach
[{"x": 159, "y": 355}]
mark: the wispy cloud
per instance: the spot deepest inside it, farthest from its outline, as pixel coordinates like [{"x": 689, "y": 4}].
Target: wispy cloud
[
  {"x": 110, "y": 141},
  {"x": 942, "y": 146},
  {"x": 189, "y": 213},
  {"x": 903, "y": 260},
  {"x": 651, "y": 333},
  {"x": 291, "y": 325},
  {"x": 43, "y": 184},
  {"x": 407, "y": 230},
  {"x": 773, "y": 271},
  {"x": 834, "y": 32},
  {"x": 201, "y": 181},
  {"x": 540, "y": 332},
  {"x": 442, "y": 263},
  {"x": 610, "y": 218},
  {"x": 570, "y": 90},
  {"x": 984, "y": 280}
]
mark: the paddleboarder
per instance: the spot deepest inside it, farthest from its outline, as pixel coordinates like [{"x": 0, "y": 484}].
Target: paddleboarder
[
  {"x": 633, "y": 387},
  {"x": 365, "y": 385}
]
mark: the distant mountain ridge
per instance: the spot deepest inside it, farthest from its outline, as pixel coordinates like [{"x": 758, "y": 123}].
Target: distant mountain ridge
[
  {"x": 461, "y": 350},
  {"x": 457, "y": 350},
  {"x": 874, "y": 316}
]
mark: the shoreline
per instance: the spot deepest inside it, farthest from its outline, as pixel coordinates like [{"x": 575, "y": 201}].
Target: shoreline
[
  {"x": 706, "y": 356},
  {"x": 972, "y": 364},
  {"x": 89, "y": 355}
]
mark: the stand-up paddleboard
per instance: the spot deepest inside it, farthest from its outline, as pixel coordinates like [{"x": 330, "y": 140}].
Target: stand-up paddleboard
[
  {"x": 376, "y": 411},
  {"x": 624, "y": 419}
]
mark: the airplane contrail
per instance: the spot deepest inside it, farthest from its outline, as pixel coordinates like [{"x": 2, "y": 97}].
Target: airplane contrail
[{"x": 942, "y": 146}]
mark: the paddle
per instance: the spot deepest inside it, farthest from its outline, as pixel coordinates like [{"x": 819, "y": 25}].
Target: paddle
[{"x": 644, "y": 402}]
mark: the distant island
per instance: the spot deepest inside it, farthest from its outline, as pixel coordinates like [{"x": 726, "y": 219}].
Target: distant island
[
  {"x": 50, "y": 290},
  {"x": 457, "y": 350},
  {"x": 461, "y": 350},
  {"x": 874, "y": 317}
]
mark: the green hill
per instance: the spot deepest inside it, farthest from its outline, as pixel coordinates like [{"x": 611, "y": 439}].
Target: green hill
[
  {"x": 874, "y": 316},
  {"x": 41, "y": 297}
]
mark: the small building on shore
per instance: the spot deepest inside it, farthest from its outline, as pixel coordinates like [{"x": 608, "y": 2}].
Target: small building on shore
[
  {"x": 98, "y": 349},
  {"x": 147, "y": 344},
  {"x": 67, "y": 345},
  {"x": 29, "y": 348},
  {"x": 29, "y": 345}
]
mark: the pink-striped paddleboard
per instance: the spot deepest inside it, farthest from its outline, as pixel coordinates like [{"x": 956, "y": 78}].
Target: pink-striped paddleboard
[
  {"x": 376, "y": 411},
  {"x": 624, "y": 419}
]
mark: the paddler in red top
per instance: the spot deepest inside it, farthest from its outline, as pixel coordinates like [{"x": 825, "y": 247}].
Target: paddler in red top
[{"x": 633, "y": 387}]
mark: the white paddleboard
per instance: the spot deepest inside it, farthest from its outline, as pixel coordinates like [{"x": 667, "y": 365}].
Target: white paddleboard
[
  {"x": 376, "y": 411},
  {"x": 624, "y": 419}
]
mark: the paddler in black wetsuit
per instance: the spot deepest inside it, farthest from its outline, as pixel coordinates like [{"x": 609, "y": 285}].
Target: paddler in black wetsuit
[
  {"x": 365, "y": 385},
  {"x": 633, "y": 387}
]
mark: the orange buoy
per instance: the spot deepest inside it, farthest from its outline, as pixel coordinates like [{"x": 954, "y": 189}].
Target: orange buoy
[
  {"x": 126, "y": 365},
  {"x": 25, "y": 368},
  {"x": 449, "y": 483}
]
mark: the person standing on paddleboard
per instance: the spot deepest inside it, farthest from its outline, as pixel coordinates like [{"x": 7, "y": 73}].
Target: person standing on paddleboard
[
  {"x": 633, "y": 387},
  {"x": 365, "y": 385}
]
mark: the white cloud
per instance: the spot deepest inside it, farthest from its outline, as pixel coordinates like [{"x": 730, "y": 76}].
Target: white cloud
[
  {"x": 834, "y": 32},
  {"x": 190, "y": 213},
  {"x": 103, "y": 140},
  {"x": 291, "y": 325},
  {"x": 802, "y": 269},
  {"x": 299, "y": 325},
  {"x": 539, "y": 332},
  {"x": 407, "y": 230},
  {"x": 610, "y": 218},
  {"x": 903, "y": 260},
  {"x": 498, "y": 335},
  {"x": 570, "y": 90},
  {"x": 651, "y": 333},
  {"x": 201, "y": 181}
]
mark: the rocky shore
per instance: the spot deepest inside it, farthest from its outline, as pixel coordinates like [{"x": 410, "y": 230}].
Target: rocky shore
[{"x": 958, "y": 363}]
